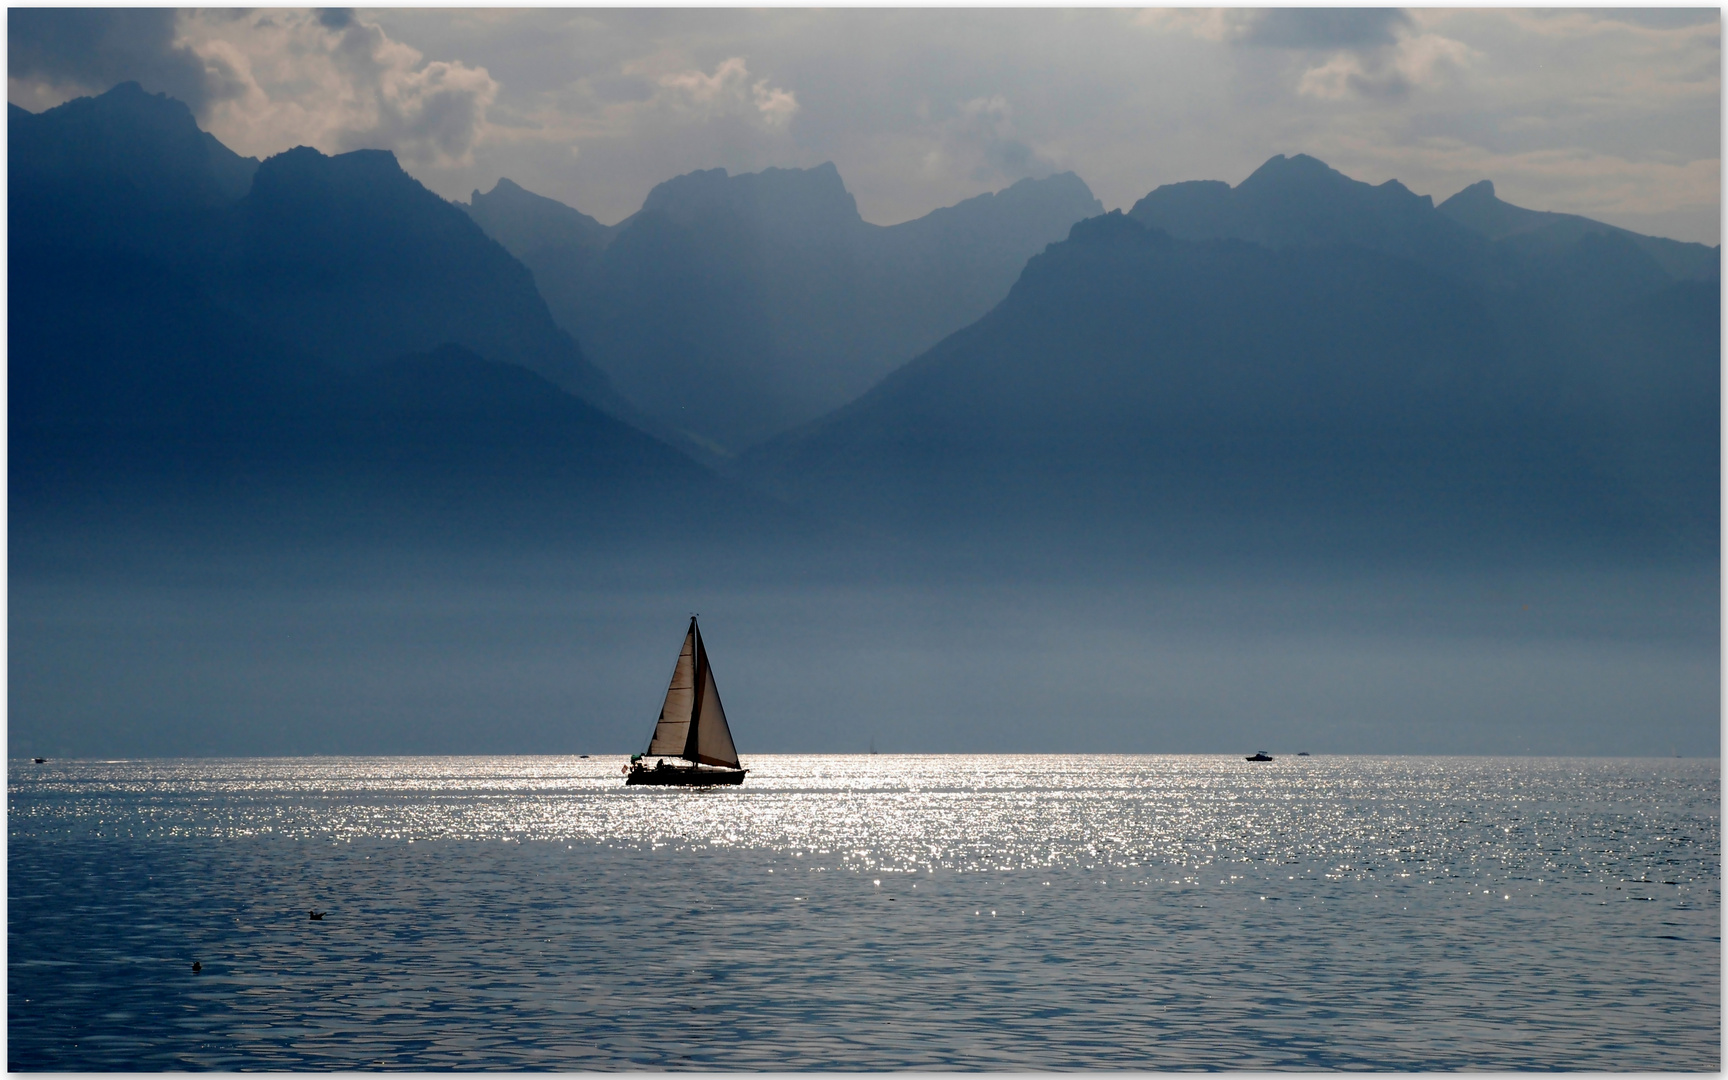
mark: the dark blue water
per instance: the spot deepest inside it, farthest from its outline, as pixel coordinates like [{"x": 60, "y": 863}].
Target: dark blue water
[{"x": 867, "y": 912}]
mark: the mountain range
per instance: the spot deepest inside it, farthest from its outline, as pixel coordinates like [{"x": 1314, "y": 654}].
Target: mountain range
[
  {"x": 734, "y": 307},
  {"x": 301, "y": 350},
  {"x": 1302, "y": 362}
]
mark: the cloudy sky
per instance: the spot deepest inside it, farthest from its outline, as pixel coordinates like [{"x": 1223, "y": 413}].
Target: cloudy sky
[{"x": 1612, "y": 114}]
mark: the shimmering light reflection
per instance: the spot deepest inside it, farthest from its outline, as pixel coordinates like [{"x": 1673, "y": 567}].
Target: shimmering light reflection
[
  {"x": 867, "y": 912},
  {"x": 1333, "y": 818}
]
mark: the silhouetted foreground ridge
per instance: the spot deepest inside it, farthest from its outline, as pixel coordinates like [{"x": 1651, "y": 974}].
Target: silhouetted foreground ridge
[
  {"x": 331, "y": 347},
  {"x": 1303, "y": 364}
]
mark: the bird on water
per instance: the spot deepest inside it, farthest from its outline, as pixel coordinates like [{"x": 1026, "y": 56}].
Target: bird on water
[{"x": 316, "y": 914}]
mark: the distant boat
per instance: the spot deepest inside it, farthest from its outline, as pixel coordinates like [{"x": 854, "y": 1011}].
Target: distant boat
[
  {"x": 1260, "y": 755},
  {"x": 692, "y": 729},
  {"x": 1301, "y": 753},
  {"x": 44, "y": 761}
]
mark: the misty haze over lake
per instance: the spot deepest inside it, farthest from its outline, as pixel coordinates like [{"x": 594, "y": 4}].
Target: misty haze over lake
[{"x": 308, "y": 458}]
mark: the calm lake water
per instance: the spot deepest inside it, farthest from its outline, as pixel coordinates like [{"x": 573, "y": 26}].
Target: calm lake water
[{"x": 867, "y": 912}]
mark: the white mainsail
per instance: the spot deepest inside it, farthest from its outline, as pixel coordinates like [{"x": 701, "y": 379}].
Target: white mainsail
[
  {"x": 673, "y": 730},
  {"x": 693, "y": 696}
]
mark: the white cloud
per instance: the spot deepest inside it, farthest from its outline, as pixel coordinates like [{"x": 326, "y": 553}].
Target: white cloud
[
  {"x": 729, "y": 91},
  {"x": 337, "y": 83},
  {"x": 1413, "y": 61},
  {"x": 981, "y": 138},
  {"x": 775, "y": 105},
  {"x": 1345, "y": 53}
]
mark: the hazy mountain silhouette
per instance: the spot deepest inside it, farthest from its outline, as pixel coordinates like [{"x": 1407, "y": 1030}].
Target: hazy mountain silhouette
[
  {"x": 349, "y": 257},
  {"x": 125, "y": 171},
  {"x": 442, "y": 450},
  {"x": 120, "y": 234},
  {"x": 1309, "y": 365},
  {"x": 190, "y": 351},
  {"x": 360, "y": 262},
  {"x": 1479, "y": 209},
  {"x": 525, "y": 222},
  {"x": 1302, "y": 202},
  {"x": 1300, "y": 360},
  {"x": 736, "y": 306},
  {"x": 558, "y": 244}
]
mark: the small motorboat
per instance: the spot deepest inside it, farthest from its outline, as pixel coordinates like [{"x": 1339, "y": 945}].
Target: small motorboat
[{"x": 1260, "y": 755}]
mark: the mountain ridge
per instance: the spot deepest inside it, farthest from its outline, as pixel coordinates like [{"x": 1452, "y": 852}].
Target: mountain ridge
[
  {"x": 240, "y": 352},
  {"x": 734, "y": 305},
  {"x": 1477, "y": 207},
  {"x": 1140, "y": 388},
  {"x": 1300, "y": 350}
]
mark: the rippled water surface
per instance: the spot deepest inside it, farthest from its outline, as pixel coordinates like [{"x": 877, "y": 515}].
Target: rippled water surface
[{"x": 866, "y": 912}]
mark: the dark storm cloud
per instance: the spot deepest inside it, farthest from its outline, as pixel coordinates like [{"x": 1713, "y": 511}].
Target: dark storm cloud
[
  {"x": 94, "y": 49},
  {"x": 1322, "y": 28}
]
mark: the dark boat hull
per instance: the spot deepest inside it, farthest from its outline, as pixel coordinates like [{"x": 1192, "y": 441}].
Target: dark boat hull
[{"x": 665, "y": 775}]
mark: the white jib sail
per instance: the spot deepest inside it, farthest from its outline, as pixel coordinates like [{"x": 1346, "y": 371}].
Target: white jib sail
[{"x": 713, "y": 736}]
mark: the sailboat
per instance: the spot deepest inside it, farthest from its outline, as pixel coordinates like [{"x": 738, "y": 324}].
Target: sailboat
[{"x": 691, "y": 739}]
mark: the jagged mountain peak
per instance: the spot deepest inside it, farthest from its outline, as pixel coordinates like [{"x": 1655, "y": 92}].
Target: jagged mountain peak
[
  {"x": 1546, "y": 233},
  {"x": 525, "y": 222},
  {"x": 361, "y": 203},
  {"x": 1480, "y": 190},
  {"x": 131, "y": 99},
  {"x": 1281, "y": 169},
  {"x": 1061, "y": 193},
  {"x": 1304, "y": 177},
  {"x": 355, "y": 166},
  {"x": 1300, "y": 201},
  {"x": 149, "y": 141},
  {"x": 1114, "y": 227},
  {"x": 804, "y": 196},
  {"x": 1063, "y": 182}
]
